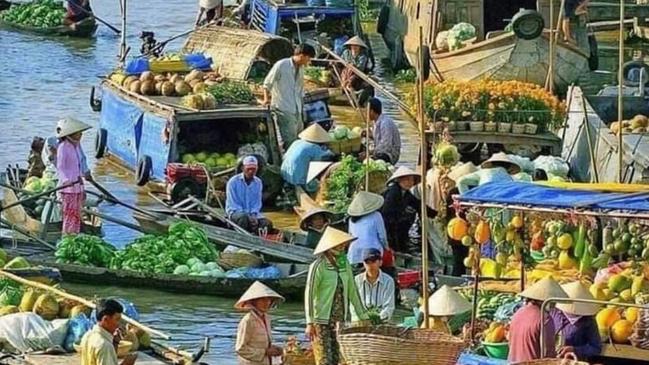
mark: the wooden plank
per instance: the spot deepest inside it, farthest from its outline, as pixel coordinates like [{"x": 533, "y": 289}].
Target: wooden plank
[
  {"x": 624, "y": 352},
  {"x": 75, "y": 359}
]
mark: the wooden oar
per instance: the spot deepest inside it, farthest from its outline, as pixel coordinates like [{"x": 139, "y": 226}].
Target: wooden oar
[
  {"x": 102, "y": 21},
  {"x": 83, "y": 301},
  {"x": 220, "y": 216},
  {"x": 113, "y": 199}
]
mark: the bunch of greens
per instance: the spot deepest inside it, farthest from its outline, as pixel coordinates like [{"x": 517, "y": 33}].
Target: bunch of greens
[
  {"x": 42, "y": 14},
  {"x": 85, "y": 250},
  {"x": 345, "y": 180},
  {"x": 313, "y": 72},
  {"x": 231, "y": 92},
  {"x": 406, "y": 76},
  {"x": 374, "y": 315},
  {"x": 162, "y": 254}
]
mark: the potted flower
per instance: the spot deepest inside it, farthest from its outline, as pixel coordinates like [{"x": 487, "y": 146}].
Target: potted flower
[
  {"x": 518, "y": 127},
  {"x": 531, "y": 127}
]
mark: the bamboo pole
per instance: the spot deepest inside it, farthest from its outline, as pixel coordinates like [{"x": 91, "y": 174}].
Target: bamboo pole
[
  {"x": 122, "y": 45},
  {"x": 424, "y": 157},
  {"x": 367, "y": 148},
  {"x": 549, "y": 79},
  {"x": 81, "y": 300},
  {"x": 620, "y": 97},
  {"x": 591, "y": 150}
]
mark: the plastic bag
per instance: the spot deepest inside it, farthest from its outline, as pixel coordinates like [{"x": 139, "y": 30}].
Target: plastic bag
[
  {"x": 505, "y": 312},
  {"x": 28, "y": 332},
  {"x": 77, "y": 327},
  {"x": 136, "y": 66},
  {"x": 270, "y": 272},
  {"x": 552, "y": 165},
  {"x": 198, "y": 61}
]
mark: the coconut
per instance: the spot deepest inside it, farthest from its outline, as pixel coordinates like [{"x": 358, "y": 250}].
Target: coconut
[
  {"x": 135, "y": 86},
  {"x": 78, "y": 309},
  {"x": 182, "y": 88},
  {"x": 127, "y": 81},
  {"x": 209, "y": 101},
  {"x": 158, "y": 87},
  {"x": 199, "y": 87},
  {"x": 175, "y": 78},
  {"x": 9, "y": 309},
  {"x": 145, "y": 340},
  {"x": 131, "y": 337},
  {"x": 159, "y": 78},
  {"x": 148, "y": 87},
  {"x": 193, "y": 102},
  {"x": 47, "y": 307},
  {"x": 146, "y": 76},
  {"x": 29, "y": 299},
  {"x": 194, "y": 75},
  {"x": 168, "y": 88},
  {"x": 65, "y": 307}
]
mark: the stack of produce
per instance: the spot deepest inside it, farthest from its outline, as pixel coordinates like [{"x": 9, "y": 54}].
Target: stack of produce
[
  {"x": 35, "y": 185},
  {"x": 196, "y": 267},
  {"x": 163, "y": 254},
  {"x": 496, "y": 333},
  {"x": 213, "y": 161},
  {"x": 489, "y": 304},
  {"x": 40, "y": 13},
  {"x": 344, "y": 140},
  {"x": 637, "y": 125},
  {"x": 624, "y": 241},
  {"x": 231, "y": 92},
  {"x": 341, "y": 133},
  {"x": 616, "y": 324},
  {"x": 318, "y": 75},
  {"x": 84, "y": 249},
  {"x": 345, "y": 181}
]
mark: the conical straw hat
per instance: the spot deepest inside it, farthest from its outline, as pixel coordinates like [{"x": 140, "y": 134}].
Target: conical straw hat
[
  {"x": 355, "y": 41},
  {"x": 461, "y": 170},
  {"x": 446, "y": 302},
  {"x": 316, "y": 134},
  {"x": 403, "y": 171},
  {"x": 309, "y": 209},
  {"x": 255, "y": 291},
  {"x": 332, "y": 238},
  {"x": 315, "y": 169},
  {"x": 576, "y": 290},
  {"x": 69, "y": 126},
  {"x": 544, "y": 289},
  {"x": 499, "y": 157},
  {"x": 364, "y": 203}
]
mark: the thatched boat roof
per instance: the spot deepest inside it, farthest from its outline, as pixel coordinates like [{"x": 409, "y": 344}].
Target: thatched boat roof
[{"x": 233, "y": 51}]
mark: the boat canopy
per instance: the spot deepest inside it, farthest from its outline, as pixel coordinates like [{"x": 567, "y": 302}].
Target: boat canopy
[
  {"x": 531, "y": 194},
  {"x": 235, "y": 51}
]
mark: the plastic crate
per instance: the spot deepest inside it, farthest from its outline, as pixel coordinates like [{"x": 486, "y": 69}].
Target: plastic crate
[
  {"x": 408, "y": 279},
  {"x": 176, "y": 171},
  {"x": 346, "y": 146}
]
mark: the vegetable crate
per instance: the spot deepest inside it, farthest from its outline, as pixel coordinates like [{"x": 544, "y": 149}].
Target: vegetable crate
[{"x": 346, "y": 146}]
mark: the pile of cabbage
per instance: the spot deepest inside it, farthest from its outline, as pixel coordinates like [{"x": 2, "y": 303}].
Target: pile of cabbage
[
  {"x": 196, "y": 267},
  {"x": 458, "y": 34},
  {"x": 341, "y": 133},
  {"x": 35, "y": 185}
]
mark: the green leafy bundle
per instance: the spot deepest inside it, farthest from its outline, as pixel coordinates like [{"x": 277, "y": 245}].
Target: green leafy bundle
[
  {"x": 42, "y": 14},
  {"x": 345, "y": 180},
  {"x": 231, "y": 92},
  {"x": 162, "y": 254},
  {"x": 85, "y": 250}
]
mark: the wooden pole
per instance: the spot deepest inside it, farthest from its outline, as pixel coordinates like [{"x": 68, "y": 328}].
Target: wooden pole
[
  {"x": 591, "y": 149},
  {"x": 550, "y": 80},
  {"x": 620, "y": 98},
  {"x": 368, "y": 133},
  {"x": 122, "y": 46},
  {"x": 424, "y": 157},
  {"x": 83, "y": 301}
]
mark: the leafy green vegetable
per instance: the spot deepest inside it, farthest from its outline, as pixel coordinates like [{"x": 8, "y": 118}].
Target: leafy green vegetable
[
  {"x": 231, "y": 92},
  {"x": 375, "y": 316},
  {"x": 345, "y": 180},
  {"x": 313, "y": 72},
  {"x": 40, "y": 13},
  {"x": 406, "y": 76},
  {"x": 84, "y": 249}
]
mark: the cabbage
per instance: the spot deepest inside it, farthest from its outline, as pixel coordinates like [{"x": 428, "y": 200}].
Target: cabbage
[
  {"x": 47, "y": 307},
  {"x": 212, "y": 266},
  {"x": 446, "y": 154},
  {"x": 34, "y": 186},
  {"x": 211, "y": 162},
  {"x": 217, "y": 273},
  {"x": 341, "y": 133},
  {"x": 201, "y": 157},
  {"x": 353, "y": 135},
  {"x": 198, "y": 267},
  {"x": 357, "y": 130},
  {"x": 188, "y": 158},
  {"x": 28, "y": 300},
  {"x": 192, "y": 261},
  {"x": 182, "y": 270},
  {"x": 204, "y": 273},
  {"x": 460, "y": 32}
]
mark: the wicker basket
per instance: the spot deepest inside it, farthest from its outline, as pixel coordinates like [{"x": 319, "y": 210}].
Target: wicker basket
[
  {"x": 569, "y": 359},
  {"x": 306, "y": 358},
  {"x": 385, "y": 345},
  {"x": 345, "y": 146},
  {"x": 234, "y": 260}
]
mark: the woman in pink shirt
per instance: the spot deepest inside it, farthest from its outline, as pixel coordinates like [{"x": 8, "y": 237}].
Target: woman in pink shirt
[{"x": 71, "y": 168}]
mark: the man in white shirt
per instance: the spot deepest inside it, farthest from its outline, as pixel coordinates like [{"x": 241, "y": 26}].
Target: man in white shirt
[
  {"x": 284, "y": 92},
  {"x": 375, "y": 287}
]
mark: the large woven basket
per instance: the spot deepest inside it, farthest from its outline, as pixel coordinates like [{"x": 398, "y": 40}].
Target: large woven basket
[
  {"x": 387, "y": 345},
  {"x": 234, "y": 260},
  {"x": 306, "y": 358},
  {"x": 570, "y": 359}
]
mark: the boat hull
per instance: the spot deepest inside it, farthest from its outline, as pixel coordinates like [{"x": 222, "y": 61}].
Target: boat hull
[{"x": 82, "y": 29}]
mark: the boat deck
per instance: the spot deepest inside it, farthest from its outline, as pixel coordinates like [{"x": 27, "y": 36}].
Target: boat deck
[{"x": 75, "y": 359}]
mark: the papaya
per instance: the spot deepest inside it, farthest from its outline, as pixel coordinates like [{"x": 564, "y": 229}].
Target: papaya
[
  {"x": 457, "y": 228},
  {"x": 482, "y": 233}
]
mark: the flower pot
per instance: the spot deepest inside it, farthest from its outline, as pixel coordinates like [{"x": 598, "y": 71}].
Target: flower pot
[
  {"x": 476, "y": 126},
  {"x": 518, "y": 128},
  {"x": 490, "y": 127},
  {"x": 451, "y": 126},
  {"x": 531, "y": 128},
  {"x": 461, "y": 125},
  {"x": 504, "y": 127}
]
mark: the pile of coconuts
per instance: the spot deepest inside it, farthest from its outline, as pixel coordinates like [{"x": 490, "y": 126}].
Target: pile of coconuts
[{"x": 170, "y": 84}]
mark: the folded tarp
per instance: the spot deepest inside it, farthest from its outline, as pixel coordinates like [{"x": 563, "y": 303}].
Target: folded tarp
[{"x": 521, "y": 193}]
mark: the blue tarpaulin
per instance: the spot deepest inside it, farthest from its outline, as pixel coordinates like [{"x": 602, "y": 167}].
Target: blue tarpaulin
[{"x": 522, "y": 193}]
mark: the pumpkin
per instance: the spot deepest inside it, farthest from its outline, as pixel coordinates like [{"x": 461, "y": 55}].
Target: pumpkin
[
  {"x": 457, "y": 228},
  {"x": 482, "y": 233}
]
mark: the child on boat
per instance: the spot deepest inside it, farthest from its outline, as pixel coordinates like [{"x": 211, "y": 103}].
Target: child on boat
[{"x": 254, "y": 344}]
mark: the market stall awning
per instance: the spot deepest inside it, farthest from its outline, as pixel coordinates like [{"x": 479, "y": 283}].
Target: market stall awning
[{"x": 530, "y": 194}]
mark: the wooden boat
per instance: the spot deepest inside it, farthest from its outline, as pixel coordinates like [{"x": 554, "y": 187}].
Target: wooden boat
[
  {"x": 84, "y": 28},
  {"x": 291, "y": 286}
]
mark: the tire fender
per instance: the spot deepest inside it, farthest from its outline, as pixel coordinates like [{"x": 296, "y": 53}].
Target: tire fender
[
  {"x": 143, "y": 171},
  {"x": 101, "y": 139}
]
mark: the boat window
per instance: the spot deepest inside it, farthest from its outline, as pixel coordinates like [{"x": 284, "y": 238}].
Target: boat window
[
  {"x": 225, "y": 136},
  {"x": 418, "y": 6}
]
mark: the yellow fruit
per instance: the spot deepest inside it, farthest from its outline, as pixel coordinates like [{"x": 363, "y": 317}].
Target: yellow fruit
[
  {"x": 510, "y": 236},
  {"x": 597, "y": 291},
  {"x": 482, "y": 232},
  {"x": 517, "y": 221},
  {"x": 637, "y": 285},
  {"x": 631, "y": 314},
  {"x": 565, "y": 241},
  {"x": 468, "y": 262},
  {"x": 608, "y": 294},
  {"x": 626, "y": 296},
  {"x": 621, "y": 331},
  {"x": 607, "y": 317},
  {"x": 619, "y": 282},
  {"x": 457, "y": 228},
  {"x": 566, "y": 262}
]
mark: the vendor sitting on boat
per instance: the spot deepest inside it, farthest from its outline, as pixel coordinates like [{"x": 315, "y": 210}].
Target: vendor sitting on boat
[
  {"x": 386, "y": 136},
  {"x": 442, "y": 305},
  {"x": 77, "y": 11},
  {"x": 254, "y": 344},
  {"x": 525, "y": 328},
  {"x": 244, "y": 198},
  {"x": 314, "y": 221},
  {"x": 310, "y": 147},
  {"x": 356, "y": 53},
  {"x": 375, "y": 287},
  {"x": 98, "y": 344},
  {"x": 208, "y": 11}
]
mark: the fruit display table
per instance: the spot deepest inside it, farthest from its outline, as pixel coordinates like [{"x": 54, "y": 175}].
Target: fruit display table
[{"x": 624, "y": 352}]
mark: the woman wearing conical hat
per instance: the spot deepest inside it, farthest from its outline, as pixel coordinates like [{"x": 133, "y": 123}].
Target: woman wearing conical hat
[
  {"x": 314, "y": 220},
  {"x": 330, "y": 291},
  {"x": 366, "y": 224},
  {"x": 576, "y": 324},
  {"x": 525, "y": 328},
  {"x": 356, "y": 54},
  {"x": 71, "y": 167},
  {"x": 254, "y": 344},
  {"x": 311, "y": 146},
  {"x": 442, "y": 305},
  {"x": 499, "y": 167}
]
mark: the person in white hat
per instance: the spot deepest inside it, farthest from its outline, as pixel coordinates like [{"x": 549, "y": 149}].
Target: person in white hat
[
  {"x": 71, "y": 168},
  {"x": 313, "y": 221},
  {"x": 312, "y": 146},
  {"x": 442, "y": 305},
  {"x": 254, "y": 345},
  {"x": 576, "y": 324},
  {"x": 212, "y": 9},
  {"x": 499, "y": 167},
  {"x": 243, "y": 198},
  {"x": 525, "y": 327},
  {"x": 330, "y": 291},
  {"x": 356, "y": 54},
  {"x": 366, "y": 224}
]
